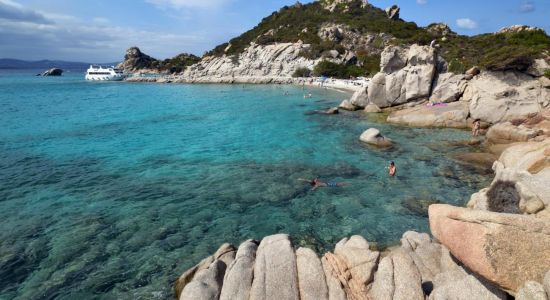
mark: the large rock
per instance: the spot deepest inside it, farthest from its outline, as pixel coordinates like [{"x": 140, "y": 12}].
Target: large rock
[
  {"x": 346, "y": 105},
  {"x": 406, "y": 75},
  {"x": 503, "y": 96},
  {"x": 275, "y": 273},
  {"x": 538, "y": 67},
  {"x": 393, "y": 58},
  {"x": 372, "y": 108},
  {"x": 333, "y": 266},
  {"x": 446, "y": 115},
  {"x": 505, "y": 249},
  {"x": 226, "y": 254},
  {"x": 393, "y": 12},
  {"x": 238, "y": 276},
  {"x": 206, "y": 284},
  {"x": 546, "y": 282},
  {"x": 506, "y": 133},
  {"x": 311, "y": 277},
  {"x": 374, "y": 137},
  {"x": 461, "y": 285},
  {"x": 360, "y": 260},
  {"x": 448, "y": 88},
  {"x": 425, "y": 254},
  {"x": 360, "y": 98},
  {"x": 532, "y": 290},
  {"x": 53, "y": 72},
  {"x": 397, "y": 278}
]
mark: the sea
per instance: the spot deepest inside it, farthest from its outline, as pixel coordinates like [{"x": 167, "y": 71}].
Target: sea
[{"x": 110, "y": 190}]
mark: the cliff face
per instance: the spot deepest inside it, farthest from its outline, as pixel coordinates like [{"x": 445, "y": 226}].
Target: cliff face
[{"x": 255, "y": 63}]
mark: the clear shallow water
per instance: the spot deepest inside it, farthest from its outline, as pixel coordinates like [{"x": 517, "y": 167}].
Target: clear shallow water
[{"x": 113, "y": 189}]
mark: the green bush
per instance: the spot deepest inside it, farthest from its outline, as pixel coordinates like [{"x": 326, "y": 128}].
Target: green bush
[
  {"x": 547, "y": 73},
  {"x": 457, "y": 67},
  {"x": 330, "y": 69},
  {"x": 302, "y": 72}
]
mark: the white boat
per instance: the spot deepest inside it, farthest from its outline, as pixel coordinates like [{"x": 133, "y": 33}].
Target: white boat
[{"x": 104, "y": 73}]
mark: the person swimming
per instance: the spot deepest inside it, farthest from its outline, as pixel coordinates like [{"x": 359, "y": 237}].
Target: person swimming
[
  {"x": 392, "y": 169},
  {"x": 316, "y": 183}
]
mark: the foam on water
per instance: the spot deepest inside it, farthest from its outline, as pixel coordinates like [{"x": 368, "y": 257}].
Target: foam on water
[{"x": 114, "y": 189}]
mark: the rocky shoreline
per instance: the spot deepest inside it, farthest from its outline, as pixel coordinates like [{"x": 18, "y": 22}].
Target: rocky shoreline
[{"x": 496, "y": 248}]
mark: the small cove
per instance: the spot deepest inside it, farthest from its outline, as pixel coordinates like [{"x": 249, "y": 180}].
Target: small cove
[{"x": 116, "y": 188}]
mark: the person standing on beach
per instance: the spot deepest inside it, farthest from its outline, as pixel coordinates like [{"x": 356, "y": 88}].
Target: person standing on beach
[{"x": 392, "y": 169}]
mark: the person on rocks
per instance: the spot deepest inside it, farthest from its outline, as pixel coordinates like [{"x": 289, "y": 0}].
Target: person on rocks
[
  {"x": 316, "y": 183},
  {"x": 392, "y": 169},
  {"x": 475, "y": 127}
]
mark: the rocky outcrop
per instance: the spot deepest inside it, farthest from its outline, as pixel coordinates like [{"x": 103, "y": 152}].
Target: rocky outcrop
[
  {"x": 135, "y": 60},
  {"x": 225, "y": 254},
  {"x": 53, "y": 72},
  {"x": 406, "y": 75},
  {"x": 503, "y": 96},
  {"x": 257, "y": 64},
  {"x": 311, "y": 276},
  {"x": 275, "y": 267},
  {"x": 393, "y": 12},
  {"x": 532, "y": 290},
  {"x": 518, "y": 28},
  {"x": 440, "y": 29},
  {"x": 352, "y": 41},
  {"x": 448, "y": 87},
  {"x": 505, "y": 249},
  {"x": 507, "y": 133},
  {"x": 452, "y": 115},
  {"x": 239, "y": 274},
  {"x": 346, "y": 105},
  {"x": 360, "y": 98},
  {"x": 332, "y": 5},
  {"x": 373, "y": 136}
]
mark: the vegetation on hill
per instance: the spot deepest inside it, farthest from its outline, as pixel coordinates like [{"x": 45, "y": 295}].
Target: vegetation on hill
[
  {"x": 502, "y": 51},
  {"x": 137, "y": 60},
  {"x": 547, "y": 73}
]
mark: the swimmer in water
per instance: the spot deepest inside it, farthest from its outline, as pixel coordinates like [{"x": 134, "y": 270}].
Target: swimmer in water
[
  {"x": 316, "y": 183},
  {"x": 392, "y": 169}
]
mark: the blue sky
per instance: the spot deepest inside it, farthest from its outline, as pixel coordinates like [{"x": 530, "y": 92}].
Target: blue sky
[{"x": 100, "y": 30}]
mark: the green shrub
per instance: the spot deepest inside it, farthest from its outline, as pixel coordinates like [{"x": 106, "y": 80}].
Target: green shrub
[
  {"x": 330, "y": 69},
  {"x": 547, "y": 73},
  {"x": 503, "y": 197},
  {"x": 302, "y": 72},
  {"x": 457, "y": 67}
]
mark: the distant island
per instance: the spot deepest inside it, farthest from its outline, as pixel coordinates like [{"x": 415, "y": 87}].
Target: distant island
[{"x": 17, "y": 64}]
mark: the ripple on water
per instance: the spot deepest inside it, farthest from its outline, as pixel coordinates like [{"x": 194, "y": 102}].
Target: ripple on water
[{"x": 116, "y": 189}]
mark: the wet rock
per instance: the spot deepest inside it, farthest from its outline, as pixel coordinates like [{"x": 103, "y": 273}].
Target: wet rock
[
  {"x": 374, "y": 137},
  {"x": 532, "y": 290},
  {"x": 505, "y": 249},
  {"x": 311, "y": 277},
  {"x": 418, "y": 207},
  {"x": 238, "y": 276},
  {"x": 275, "y": 267},
  {"x": 480, "y": 159}
]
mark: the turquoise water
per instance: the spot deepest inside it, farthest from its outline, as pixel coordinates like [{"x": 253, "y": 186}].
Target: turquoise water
[{"x": 113, "y": 189}]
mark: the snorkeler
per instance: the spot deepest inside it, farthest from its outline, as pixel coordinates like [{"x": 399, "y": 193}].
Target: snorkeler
[{"x": 316, "y": 183}]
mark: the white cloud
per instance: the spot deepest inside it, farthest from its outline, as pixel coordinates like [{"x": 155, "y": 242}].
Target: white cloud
[
  {"x": 527, "y": 6},
  {"x": 10, "y": 10},
  {"x": 69, "y": 38},
  {"x": 422, "y": 2},
  {"x": 466, "y": 23},
  {"x": 179, "y": 4}
]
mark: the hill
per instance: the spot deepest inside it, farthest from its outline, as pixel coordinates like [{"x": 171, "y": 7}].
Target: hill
[{"x": 8, "y": 63}]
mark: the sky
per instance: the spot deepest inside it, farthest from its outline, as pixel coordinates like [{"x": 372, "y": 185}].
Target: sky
[{"x": 101, "y": 30}]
